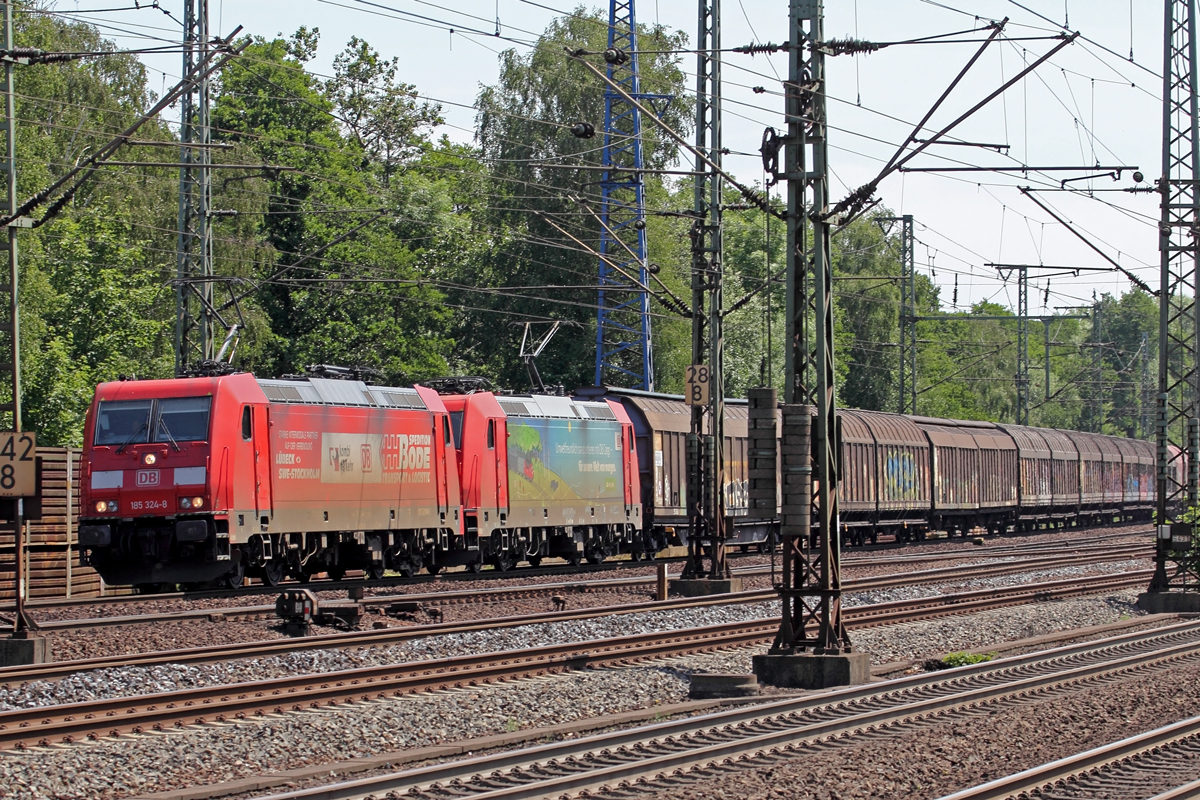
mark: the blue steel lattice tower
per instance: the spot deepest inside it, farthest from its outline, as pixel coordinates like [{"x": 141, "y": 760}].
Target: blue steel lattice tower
[{"x": 623, "y": 348}]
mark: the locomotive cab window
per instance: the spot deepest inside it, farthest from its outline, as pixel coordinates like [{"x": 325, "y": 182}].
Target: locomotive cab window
[
  {"x": 174, "y": 420},
  {"x": 247, "y": 429},
  {"x": 120, "y": 422},
  {"x": 456, "y": 427},
  {"x": 182, "y": 419},
  {"x": 491, "y": 434},
  {"x": 445, "y": 431}
]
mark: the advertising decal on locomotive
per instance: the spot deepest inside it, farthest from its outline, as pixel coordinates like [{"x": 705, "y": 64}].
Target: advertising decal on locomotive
[{"x": 562, "y": 459}]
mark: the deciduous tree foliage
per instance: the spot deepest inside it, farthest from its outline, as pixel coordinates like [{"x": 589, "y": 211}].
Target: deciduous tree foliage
[{"x": 363, "y": 240}]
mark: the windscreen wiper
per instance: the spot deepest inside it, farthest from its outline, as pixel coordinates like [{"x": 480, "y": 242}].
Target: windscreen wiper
[
  {"x": 132, "y": 436},
  {"x": 162, "y": 423}
]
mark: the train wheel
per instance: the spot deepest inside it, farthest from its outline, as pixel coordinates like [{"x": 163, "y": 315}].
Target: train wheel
[
  {"x": 375, "y": 571},
  {"x": 474, "y": 567},
  {"x": 336, "y": 573},
  {"x": 433, "y": 569},
  {"x": 573, "y": 559},
  {"x": 303, "y": 577},
  {"x": 237, "y": 576},
  {"x": 504, "y": 561},
  {"x": 272, "y": 573},
  {"x": 534, "y": 561}
]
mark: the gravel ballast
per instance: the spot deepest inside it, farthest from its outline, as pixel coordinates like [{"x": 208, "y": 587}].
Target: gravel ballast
[
  {"x": 963, "y": 749},
  {"x": 136, "y": 680},
  {"x": 212, "y": 753}
]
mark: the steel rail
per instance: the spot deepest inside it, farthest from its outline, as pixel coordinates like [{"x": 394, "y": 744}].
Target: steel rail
[
  {"x": 508, "y": 593},
  {"x": 69, "y": 722},
  {"x": 663, "y": 749},
  {"x": 1047, "y": 775}
]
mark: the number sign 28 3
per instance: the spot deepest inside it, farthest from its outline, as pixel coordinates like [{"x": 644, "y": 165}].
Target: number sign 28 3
[{"x": 18, "y": 465}]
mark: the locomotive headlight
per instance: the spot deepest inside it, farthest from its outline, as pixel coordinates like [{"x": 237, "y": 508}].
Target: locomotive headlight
[
  {"x": 101, "y": 506},
  {"x": 197, "y": 502},
  {"x": 112, "y": 506},
  {"x": 185, "y": 502},
  {"x": 149, "y": 459}
]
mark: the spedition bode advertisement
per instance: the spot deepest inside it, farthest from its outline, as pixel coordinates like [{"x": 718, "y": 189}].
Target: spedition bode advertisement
[
  {"x": 355, "y": 458},
  {"x": 563, "y": 459}
]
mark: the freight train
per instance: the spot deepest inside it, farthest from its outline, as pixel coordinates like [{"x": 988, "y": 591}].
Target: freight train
[{"x": 195, "y": 480}]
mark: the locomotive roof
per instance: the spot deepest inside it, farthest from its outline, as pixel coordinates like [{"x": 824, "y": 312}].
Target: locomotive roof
[
  {"x": 553, "y": 407},
  {"x": 325, "y": 392}
]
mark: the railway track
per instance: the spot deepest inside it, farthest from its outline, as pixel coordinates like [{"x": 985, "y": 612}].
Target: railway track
[
  {"x": 1163, "y": 763},
  {"x": 108, "y": 717},
  {"x": 15, "y": 675},
  {"x": 848, "y": 561},
  {"x": 1077, "y": 557},
  {"x": 669, "y": 755}
]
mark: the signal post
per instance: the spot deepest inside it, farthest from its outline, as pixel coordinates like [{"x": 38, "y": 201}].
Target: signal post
[
  {"x": 18, "y": 459},
  {"x": 812, "y": 649}
]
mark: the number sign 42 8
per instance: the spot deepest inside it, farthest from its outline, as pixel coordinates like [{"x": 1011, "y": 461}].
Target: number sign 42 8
[{"x": 18, "y": 465}]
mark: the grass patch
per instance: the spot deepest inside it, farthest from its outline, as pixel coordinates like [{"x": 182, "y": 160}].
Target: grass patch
[{"x": 958, "y": 659}]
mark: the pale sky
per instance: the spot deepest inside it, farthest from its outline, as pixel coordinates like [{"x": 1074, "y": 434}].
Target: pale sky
[{"x": 1084, "y": 106}]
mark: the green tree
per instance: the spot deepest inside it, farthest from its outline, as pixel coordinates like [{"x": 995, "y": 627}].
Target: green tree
[
  {"x": 532, "y": 270},
  {"x": 366, "y": 299},
  {"x": 94, "y": 299}
]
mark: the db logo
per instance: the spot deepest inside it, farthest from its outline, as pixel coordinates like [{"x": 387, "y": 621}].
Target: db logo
[
  {"x": 147, "y": 478},
  {"x": 364, "y": 457}
]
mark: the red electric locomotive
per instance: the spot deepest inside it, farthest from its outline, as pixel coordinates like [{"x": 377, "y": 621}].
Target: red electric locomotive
[
  {"x": 193, "y": 480},
  {"x": 198, "y": 479},
  {"x": 546, "y": 476}
]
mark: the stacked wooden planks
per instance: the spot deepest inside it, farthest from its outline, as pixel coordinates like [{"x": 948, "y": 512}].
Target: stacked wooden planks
[{"x": 52, "y": 554}]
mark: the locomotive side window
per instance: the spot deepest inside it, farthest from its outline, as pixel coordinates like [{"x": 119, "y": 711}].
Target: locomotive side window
[
  {"x": 491, "y": 434},
  {"x": 247, "y": 429},
  {"x": 456, "y": 427},
  {"x": 445, "y": 431},
  {"x": 182, "y": 419},
  {"x": 122, "y": 422}
]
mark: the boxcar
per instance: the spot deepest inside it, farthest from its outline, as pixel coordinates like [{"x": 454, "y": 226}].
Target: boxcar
[
  {"x": 903, "y": 463},
  {"x": 885, "y": 476},
  {"x": 1137, "y": 477},
  {"x": 858, "y": 496},
  {"x": 1091, "y": 474},
  {"x": 974, "y": 470},
  {"x": 1035, "y": 492}
]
